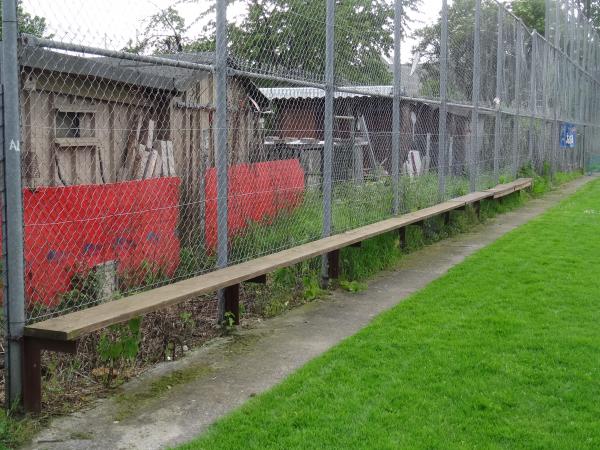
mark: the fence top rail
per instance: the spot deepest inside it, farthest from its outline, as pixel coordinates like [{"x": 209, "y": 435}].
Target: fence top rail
[{"x": 33, "y": 41}]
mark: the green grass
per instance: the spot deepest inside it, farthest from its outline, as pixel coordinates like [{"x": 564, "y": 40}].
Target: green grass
[
  {"x": 502, "y": 352},
  {"x": 302, "y": 280},
  {"x": 15, "y": 430}
]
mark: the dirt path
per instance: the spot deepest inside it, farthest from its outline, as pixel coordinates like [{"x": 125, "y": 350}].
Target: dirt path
[{"x": 174, "y": 402}]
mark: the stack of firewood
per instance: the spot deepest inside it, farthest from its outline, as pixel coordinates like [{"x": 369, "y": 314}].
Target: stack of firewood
[{"x": 145, "y": 157}]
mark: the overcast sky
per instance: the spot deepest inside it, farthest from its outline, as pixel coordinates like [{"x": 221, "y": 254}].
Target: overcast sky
[{"x": 111, "y": 23}]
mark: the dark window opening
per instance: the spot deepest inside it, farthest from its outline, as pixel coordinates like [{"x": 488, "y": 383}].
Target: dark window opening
[{"x": 67, "y": 125}]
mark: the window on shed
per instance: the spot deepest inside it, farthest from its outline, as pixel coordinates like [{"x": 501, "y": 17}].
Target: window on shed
[{"x": 74, "y": 124}]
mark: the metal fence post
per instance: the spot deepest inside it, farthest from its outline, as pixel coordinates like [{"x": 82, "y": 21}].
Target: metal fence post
[
  {"x": 532, "y": 96},
  {"x": 443, "y": 102},
  {"x": 396, "y": 107},
  {"x": 474, "y": 149},
  {"x": 328, "y": 132},
  {"x": 14, "y": 290},
  {"x": 556, "y": 131},
  {"x": 498, "y": 120},
  {"x": 516, "y": 135},
  {"x": 555, "y": 127},
  {"x": 220, "y": 136}
]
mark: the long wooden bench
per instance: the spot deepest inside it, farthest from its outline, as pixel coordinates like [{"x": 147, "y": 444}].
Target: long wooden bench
[{"x": 61, "y": 333}]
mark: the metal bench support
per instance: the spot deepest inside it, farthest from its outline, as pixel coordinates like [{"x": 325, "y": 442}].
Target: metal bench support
[
  {"x": 32, "y": 368},
  {"x": 402, "y": 235},
  {"x": 232, "y": 302},
  {"x": 447, "y": 218},
  {"x": 333, "y": 265}
]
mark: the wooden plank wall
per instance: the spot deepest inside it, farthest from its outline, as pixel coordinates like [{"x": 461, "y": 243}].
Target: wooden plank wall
[{"x": 47, "y": 164}]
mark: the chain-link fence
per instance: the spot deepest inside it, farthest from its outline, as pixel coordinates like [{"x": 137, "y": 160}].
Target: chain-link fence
[{"x": 160, "y": 141}]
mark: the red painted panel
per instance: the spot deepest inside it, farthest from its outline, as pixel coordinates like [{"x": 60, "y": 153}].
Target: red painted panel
[
  {"x": 72, "y": 229},
  {"x": 257, "y": 193}
]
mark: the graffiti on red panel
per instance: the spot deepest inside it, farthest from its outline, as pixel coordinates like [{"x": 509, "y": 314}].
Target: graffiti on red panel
[
  {"x": 72, "y": 229},
  {"x": 257, "y": 193}
]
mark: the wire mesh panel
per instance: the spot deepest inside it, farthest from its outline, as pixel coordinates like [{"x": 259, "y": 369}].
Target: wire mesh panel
[
  {"x": 427, "y": 52},
  {"x": 122, "y": 181},
  {"x": 363, "y": 43},
  {"x": 118, "y": 157},
  {"x": 461, "y": 26},
  {"x": 489, "y": 46}
]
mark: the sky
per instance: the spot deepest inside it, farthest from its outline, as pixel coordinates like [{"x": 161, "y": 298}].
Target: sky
[{"x": 112, "y": 23}]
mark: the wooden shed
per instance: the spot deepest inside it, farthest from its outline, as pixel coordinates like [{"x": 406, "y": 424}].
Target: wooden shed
[
  {"x": 80, "y": 116},
  {"x": 363, "y": 117},
  {"x": 90, "y": 121}
]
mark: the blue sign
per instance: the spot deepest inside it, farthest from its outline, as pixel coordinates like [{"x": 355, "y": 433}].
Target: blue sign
[{"x": 568, "y": 133}]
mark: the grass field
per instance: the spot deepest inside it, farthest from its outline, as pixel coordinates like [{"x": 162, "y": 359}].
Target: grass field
[{"x": 502, "y": 352}]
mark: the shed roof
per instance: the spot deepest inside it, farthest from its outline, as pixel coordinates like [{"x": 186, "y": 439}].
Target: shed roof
[
  {"x": 301, "y": 92},
  {"x": 153, "y": 76},
  {"x": 411, "y": 87}
]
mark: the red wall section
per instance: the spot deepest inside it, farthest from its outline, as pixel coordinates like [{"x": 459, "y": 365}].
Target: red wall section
[
  {"x": 72, "y": 229},
  {"x": 257, "y": 192}
]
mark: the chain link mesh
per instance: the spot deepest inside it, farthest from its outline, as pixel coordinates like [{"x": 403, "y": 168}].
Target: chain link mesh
[{"x": 118, "y": 111}]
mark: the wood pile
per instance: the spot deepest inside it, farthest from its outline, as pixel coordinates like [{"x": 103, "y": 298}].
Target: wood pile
[{"x": 146, "y": 157}]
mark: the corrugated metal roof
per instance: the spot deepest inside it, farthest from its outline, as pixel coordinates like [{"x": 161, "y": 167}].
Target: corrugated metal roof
[
  {"x": 411, "y": 86},
  {"x": 292, "y": 92}
]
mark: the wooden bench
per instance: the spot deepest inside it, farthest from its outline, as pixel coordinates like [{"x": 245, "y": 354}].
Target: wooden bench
[
  {"x": 60, "y": 334},
  {"x": 502, "y": 190}
]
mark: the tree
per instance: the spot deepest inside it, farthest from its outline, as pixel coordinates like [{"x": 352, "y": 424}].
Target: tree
[
  {"x": 288, "y": 37},
  {"x": 164, "y": 33},
  {"x": 531, "y": 12},
  {"x": 30, "y": 24},
  {"x": 461, "y": 24}
]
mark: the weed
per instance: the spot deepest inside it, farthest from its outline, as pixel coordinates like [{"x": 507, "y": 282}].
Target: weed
[
  {"x": 120, "y": 343},
  {"x": 15, "y": 431},
  {"x": 353, "y": 286},
  {"x": 312, "y": 288},
  {"x": 228, "y": 322}
]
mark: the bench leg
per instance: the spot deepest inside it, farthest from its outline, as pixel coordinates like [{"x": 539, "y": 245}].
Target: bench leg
[
  {"x": 447, "y": 218},
  {"x": 477, "y": 206},
  {"x": 32, "y": 368},
  {"x": 232, "y": 302},
  {"x": 357, "y": 244},
  {"x": 32, "y": 376},
  {"x": 333, "y": 264},
  {"x": 402, "y": 235}
]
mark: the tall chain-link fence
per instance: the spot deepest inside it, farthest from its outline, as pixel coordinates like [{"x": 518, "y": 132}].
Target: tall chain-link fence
[{"x": 162, "y": 140}]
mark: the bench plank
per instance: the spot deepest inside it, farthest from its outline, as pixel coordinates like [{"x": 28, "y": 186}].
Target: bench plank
[
  {"x": 503, "y": 190},
  {"x": 473, "y": 197},
  {"x": 73, "y": 325}
]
